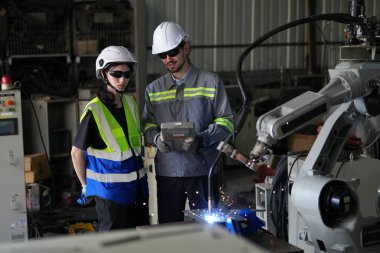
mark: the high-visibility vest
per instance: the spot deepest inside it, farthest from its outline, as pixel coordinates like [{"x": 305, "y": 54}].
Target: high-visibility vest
[{"x": 111, "y": 172}]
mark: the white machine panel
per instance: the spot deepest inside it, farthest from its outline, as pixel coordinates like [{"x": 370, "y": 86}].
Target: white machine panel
[
  {"x": 364, "y": 168},
  {"x": 262, "y": 196},
  {"x": 13, "y": 216}
]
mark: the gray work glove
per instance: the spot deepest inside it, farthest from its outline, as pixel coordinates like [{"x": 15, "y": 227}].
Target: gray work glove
[
  {"x": 160, "y": 144},
  {"x": 192, "y": 144}
]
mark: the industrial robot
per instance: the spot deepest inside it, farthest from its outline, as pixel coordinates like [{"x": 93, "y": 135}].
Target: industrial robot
[{"x": 332, "y": 208}]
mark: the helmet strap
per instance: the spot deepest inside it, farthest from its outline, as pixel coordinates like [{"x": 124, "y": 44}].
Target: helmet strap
[{"x": 110, "y": 85}]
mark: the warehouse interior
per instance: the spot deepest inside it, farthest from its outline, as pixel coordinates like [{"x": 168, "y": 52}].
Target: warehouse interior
[{"x": 289, "y": 67}]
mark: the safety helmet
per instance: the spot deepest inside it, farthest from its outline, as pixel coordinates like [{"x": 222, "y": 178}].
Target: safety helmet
[
  {"x": 113, "y": 54},
  {"x": 168, "y": 35}
]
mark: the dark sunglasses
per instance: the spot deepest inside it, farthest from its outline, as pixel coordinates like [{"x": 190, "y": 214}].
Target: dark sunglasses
[
  {"x": 172, "y": 52},
  {"x": 119, "y": 74}
]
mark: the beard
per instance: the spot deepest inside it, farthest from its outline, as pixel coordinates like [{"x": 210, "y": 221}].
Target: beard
[{"x": 175, "y": 68}]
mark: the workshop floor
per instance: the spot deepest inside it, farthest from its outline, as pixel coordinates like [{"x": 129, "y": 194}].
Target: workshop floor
[
  {"x": 237, "y": 192},
  {"x": 238, "y": 189}
]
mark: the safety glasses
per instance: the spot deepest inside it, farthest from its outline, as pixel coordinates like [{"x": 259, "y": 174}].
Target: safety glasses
[
  {"x": 119, "y": 74},
  {"x": 173, "y": 52}
]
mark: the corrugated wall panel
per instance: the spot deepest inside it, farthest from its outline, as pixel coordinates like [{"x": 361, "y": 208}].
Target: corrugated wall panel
[
  {"x": 281, "y": 37},
  {"x": 240, "y": 22},
  {"x": 264, "y": 28}
]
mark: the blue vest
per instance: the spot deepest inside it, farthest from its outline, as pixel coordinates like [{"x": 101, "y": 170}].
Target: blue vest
[{"x": 111, "y": 173}]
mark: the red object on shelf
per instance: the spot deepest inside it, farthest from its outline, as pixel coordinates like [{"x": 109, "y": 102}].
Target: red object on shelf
[
  {"x": 6, "y": 79},
  {"x": 6, "y": 82}
]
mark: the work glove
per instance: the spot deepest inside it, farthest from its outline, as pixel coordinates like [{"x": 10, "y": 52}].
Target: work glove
[
  {"x": 192, "y": 144},
  {"x": 82, "y": 199},
  {"x": 161, "y": 145}
]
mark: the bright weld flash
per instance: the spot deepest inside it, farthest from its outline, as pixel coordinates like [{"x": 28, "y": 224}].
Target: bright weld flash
[{"x": 210, "y": 218}]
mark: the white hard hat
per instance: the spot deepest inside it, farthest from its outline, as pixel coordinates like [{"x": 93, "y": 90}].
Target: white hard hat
[
  {"x": 167, "y": 36},
  {"x": 113, "y": 54}
]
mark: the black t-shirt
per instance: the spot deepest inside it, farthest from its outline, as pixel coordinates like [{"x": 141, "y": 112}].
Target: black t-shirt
[{"x": 88, "y": 134}]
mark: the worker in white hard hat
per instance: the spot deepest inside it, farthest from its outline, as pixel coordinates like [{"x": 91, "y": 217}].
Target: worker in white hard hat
[
  {"x": 184, "y": 94},
  {"x": 106, "y": 153}
]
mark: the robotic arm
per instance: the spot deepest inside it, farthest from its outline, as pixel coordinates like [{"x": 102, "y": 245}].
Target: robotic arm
[
  {"x": 347, "y": 83},
  {"x": 350, "y": 81}
]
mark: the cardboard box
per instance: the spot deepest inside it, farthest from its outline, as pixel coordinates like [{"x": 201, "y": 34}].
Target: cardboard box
[
  {"x": 89, "y": 46},
  {"x": 36, "y": 167},
  {"x": 300, "y": 142}
]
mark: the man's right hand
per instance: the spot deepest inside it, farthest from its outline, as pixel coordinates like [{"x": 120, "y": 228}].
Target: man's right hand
[{"x": 161, "y": 145}]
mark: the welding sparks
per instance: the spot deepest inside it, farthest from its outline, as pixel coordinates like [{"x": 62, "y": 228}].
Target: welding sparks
[
  {"x": 210, "y": 219},
  {"x": 213, "y": 217}
]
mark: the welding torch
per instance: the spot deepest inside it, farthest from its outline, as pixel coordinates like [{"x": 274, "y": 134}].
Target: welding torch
[{"x": 235, "y": 154}]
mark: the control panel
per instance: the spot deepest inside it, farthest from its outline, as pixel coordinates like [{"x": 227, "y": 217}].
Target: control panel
[
  {"x": 7, "y": 103},
  {"x": 13, "y": 216}
]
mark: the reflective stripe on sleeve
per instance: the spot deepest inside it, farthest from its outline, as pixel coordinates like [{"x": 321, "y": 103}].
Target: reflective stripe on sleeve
[
  {"x": 148, "y": 126},
  {"x": 226, "y": 123}
]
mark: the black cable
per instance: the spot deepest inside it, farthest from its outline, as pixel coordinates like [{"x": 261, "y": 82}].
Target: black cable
[
  {"x": 324, "y": 44},
  {"x": 340, "y": 168},
  {"x": 299, "y": 155},
  {"x": 277, "y": 200},
  {"x": 39, "y": 127},
  {"x": 211, "y": 172},
  {"x": 337, "y": 17}
]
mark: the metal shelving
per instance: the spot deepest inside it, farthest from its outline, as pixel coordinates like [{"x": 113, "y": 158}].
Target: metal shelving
[
  {"x": 96, "y": 25},
  {"x": 72, "y": 31},
  {"x": 38, "y": 30}
]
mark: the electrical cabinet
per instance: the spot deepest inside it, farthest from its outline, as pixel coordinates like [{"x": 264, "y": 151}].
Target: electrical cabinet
[
  {"x": 50, "y": 125},
  {"x": 13, "y": 218}
]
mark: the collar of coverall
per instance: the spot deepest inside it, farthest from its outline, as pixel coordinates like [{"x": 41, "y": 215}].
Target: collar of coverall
[
  {"x": 183, "y": 80},
  {"x": 190, "y": 78}
]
